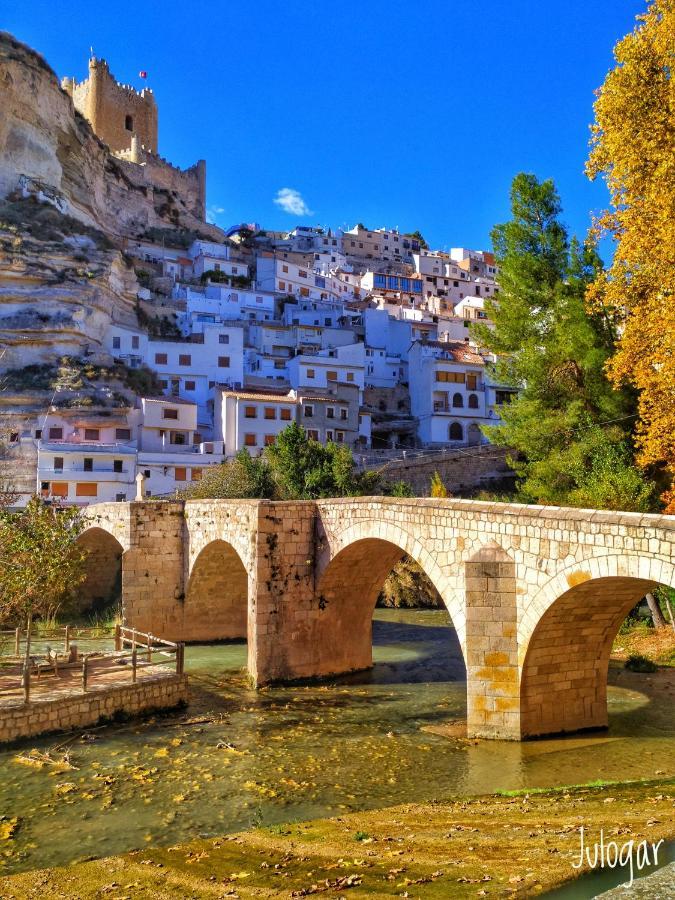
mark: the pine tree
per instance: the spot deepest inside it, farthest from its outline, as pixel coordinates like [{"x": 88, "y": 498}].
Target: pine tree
[{"x": 567, "y": 422}]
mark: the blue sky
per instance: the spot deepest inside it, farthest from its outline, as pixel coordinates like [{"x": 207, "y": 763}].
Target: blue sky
[{"x": 414, "y": 115}]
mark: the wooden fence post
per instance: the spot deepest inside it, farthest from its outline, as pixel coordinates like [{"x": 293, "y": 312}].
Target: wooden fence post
[
  {"x": 17, "y": 642},
  {"x": 118, "y": 636},
  {"x": 84, "y": 674},
  {"x": 149, "y": 647},
  {"x": 26, "y": 683},
  {"x": 134, "y": 662},
  {"x": 66, "y": 640},
  {"x": 180, "y": 658}
]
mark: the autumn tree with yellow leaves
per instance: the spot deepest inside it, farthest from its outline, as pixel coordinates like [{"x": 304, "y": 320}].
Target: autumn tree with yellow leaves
[{"x": 633, "y": 149}]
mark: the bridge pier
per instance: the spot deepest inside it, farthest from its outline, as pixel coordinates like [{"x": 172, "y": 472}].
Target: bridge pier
[{"x": 493, "y": 692}]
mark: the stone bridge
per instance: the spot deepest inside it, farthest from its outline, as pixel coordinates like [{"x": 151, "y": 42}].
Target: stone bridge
[{"x": 536, "y": 594}]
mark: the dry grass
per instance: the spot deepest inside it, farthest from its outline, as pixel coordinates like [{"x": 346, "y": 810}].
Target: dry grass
[{"x": 657, "y": 644}]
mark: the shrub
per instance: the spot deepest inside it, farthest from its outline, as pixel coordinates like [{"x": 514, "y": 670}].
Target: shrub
[{"x": 636, "y": 662}]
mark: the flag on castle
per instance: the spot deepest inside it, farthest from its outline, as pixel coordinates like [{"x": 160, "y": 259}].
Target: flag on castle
[{"x": 143, "y": 74}]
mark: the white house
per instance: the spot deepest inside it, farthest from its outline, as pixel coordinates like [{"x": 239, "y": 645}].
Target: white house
[
  {"x": 448, "y": 393},
  {"x": 321, "y": 370},
  {"x": 251, "y": 419}
]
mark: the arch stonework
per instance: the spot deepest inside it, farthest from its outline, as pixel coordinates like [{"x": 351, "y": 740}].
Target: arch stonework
[
  {"x": 505, "y": 572},
  {"x": 103, "y": 568}
]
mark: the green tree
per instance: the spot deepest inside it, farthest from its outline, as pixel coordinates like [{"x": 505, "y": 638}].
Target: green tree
[
  {"x": 304, "y": 469},
  {"x": 41, "y": 562},
  {"x": 418, "y": 237},
  {"x": 569, "y": 428},
  {"x": 244, "y": 477},
  {"x": 407, "y": 586}
]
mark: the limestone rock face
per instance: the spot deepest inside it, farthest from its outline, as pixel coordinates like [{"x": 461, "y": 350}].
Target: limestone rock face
[
  {"x": 56, "y": 302},
  {"x": 47, "y": 148}
]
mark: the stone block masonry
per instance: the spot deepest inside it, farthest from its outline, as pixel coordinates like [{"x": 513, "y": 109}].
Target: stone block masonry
[
  {"x": 79, "y": 710},
  {"x": 536, "y": 594}
]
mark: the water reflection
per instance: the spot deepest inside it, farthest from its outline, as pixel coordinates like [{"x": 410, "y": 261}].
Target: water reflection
[{"x": 292, "y": 753}]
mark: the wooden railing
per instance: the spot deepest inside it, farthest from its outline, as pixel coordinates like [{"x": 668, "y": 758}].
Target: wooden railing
[{"x": 143, "y": 653}]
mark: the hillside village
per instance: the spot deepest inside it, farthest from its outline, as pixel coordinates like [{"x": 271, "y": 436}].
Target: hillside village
[{"x": 158, "y": 345}]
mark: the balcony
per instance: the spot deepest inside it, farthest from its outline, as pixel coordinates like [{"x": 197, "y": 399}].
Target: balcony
[{"x": 48, "y": 473}]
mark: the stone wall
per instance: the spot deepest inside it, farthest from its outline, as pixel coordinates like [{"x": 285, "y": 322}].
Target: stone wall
[
  {"x": 462, "y": 471},
  {"x": 81, "y": 710}
]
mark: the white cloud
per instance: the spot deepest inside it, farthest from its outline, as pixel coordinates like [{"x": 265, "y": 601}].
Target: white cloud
[
  {"x": 212, "y": 212},
  {"x": 291, "y": 201}
]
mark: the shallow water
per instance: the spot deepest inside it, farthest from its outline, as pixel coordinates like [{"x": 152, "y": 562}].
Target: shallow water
[{"x": 303, "y": 752}]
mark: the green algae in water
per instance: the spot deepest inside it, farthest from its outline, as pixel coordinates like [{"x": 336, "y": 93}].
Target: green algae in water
[{"x": 293, "y": 753}]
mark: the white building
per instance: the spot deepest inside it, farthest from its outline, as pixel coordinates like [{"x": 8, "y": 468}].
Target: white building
[
  {"x": 251, "y": 419},
  {"x": 328, "y": 367},
  {"x": 448, "y": 393}
]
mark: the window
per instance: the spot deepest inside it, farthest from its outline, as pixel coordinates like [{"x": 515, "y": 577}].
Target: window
[
  {"x": 235, "y": 270},
  {"x": 473, "y": 401},
  {"x": 168, "y": 413},
  {"x": 195, "y": 474},
  {"x": 330, "y": 413},
  {"x": 308, "y": 411},
  {"x": 223, "y": 362},
  {"x": 284, "y": 269},
  {"x": 310, "y": 373},
  {"x": 454, "y": 377},
  {"x": 56, "y": 434},
  {"x": 190, "y": 385},
  {"x": 502, "y": 397},
  {"x": 312, "y": 434},
  {"x": 329, "y": 435},
  {"x": 223, "y": 339},
  {"x": 269, "y": 440},
  {"x": 58, "y": 464},
  {"x": 38, "y": 434},
  {"x": 250, "y": 440},
  {"x": 146, "y": 473},
  {"x": 282, "y": 285},
  {"x": 457, "y": 400},
  {"x": 88, "y": 464},
  {"x": 178, "y": 438},
  {"x": 331, "y": 376},
  {"x": 117, "y": 465},
  {"x": 122, "y": 434},
  {"x": 270, "y": 412},
  {"x": 161, "y": 359},
  {"x": 135, "y": 342},
  {"x": 285, "y": 415},
  {"x": 350, "y": 376},
  {"x": 86, "y": 489},
  {"x": 129, "y": 123},
  {"x": 180, "y": 473},
  {"x": 184, "y": 359},
  {"x": 340, "y": 435},
  {"x": 120, "y": 498},
  {"x": 91, "y": 434},
  {"x": 343, "y": 414},
  {"x": 59, "y": 489},
  {"x": 250, "y": 412},
  {"x": 456, "y": 432},
  {"x": 117, "y": 343},
  {"x": 471, "y": 381}
]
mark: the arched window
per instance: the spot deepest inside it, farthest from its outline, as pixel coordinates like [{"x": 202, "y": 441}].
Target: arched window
[
  {"x": 457, "y": 400},
  {"x": 129, "y": 123},
  {"x": 473, "y": 401},
  {"x": 456, "y": 432}
]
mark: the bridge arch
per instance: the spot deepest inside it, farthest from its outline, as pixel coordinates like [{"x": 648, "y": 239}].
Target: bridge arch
[
  {"x": 351, "y": 576},
  {"x": 566, "y": 637},
  {"x": 103, "y": 568},
  {"x": 215, "y": 606}
]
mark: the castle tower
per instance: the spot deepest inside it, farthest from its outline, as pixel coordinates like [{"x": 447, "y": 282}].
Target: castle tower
[{"x": 115, "y": 111}]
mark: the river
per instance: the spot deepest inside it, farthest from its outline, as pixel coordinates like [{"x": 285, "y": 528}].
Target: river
[{"x": 285, "y": 753}]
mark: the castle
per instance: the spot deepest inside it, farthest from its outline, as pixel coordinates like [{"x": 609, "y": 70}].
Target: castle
[{"x": 127, "y": 121}]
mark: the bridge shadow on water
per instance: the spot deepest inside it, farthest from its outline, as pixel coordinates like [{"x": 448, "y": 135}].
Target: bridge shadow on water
[{"x": 411, "y": 653}]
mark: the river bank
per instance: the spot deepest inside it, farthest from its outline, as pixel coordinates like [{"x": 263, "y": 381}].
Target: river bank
[{"x": 515, "y": 846}]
